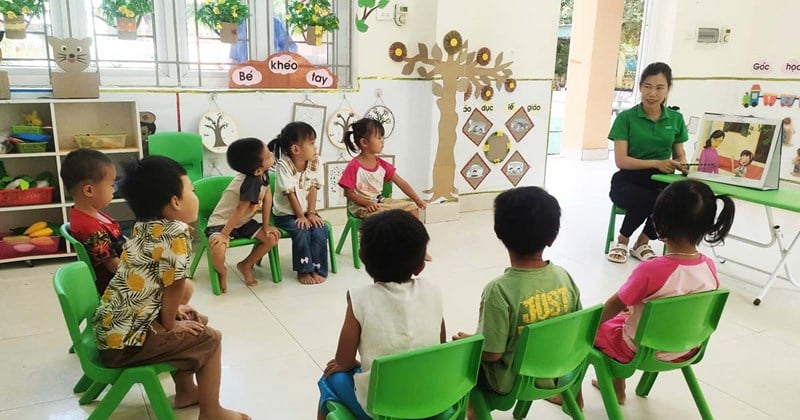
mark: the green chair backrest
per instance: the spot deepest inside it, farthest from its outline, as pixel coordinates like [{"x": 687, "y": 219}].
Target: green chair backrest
[
  {"x": 209, "y": 191},
  {"x": 424, "y": 382},
  {"x": 680, "y": 323},
  {"x": 387, "y": 189},
  {"x": 184, "y": 148},
  {"x": 556, "y": 347},
  {"x": 79, "y": 299},
  {"x": 79, "y": 248}
]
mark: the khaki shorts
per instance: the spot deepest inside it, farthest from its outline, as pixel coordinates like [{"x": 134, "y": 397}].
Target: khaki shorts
[
  {"x": 386, "y": 204},
  {"x": 183, "y": 350}
]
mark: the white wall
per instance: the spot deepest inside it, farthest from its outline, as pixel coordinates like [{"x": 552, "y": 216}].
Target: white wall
[
  {"x": 524, "y": 31},
  {"x": 760, "y": 30}
]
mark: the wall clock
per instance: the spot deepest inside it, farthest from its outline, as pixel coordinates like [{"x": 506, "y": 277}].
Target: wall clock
[{"x": 218, "y": 129}]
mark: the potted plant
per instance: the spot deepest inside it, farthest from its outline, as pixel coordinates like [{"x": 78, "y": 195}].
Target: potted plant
[
  {"x": 223, "y": 17},
  {"x": 125, "y": 15},
  {"x": 312, "y": 18},
  {"x": 17, "y": 14}
]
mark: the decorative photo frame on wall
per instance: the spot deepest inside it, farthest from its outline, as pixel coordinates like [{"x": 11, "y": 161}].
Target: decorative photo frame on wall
[
  {"x": 334, "y": 194},
  {"x": 388, "y": 158},
  {"x": 737, "y": 150},
  {"x": 312, "y": 114},
  {"x": 477, "y": 126}
]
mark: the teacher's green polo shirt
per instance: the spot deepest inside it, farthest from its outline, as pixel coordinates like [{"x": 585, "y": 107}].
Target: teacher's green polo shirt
[{"x": 648, "y": 139}]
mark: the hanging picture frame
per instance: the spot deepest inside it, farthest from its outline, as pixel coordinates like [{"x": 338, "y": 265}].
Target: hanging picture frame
[
  {"x": 339, "y": 123},
  {"x": 383, "y": 115},
  {"x": 312, "y": 114},
  {"x": 334, "y": 194},
  {"x": 217, "y": 129}
]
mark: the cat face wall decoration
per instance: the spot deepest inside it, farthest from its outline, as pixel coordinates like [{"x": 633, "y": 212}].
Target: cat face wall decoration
[{"x": 72, "y": 55}]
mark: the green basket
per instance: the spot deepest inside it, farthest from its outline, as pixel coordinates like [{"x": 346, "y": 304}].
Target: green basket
[
  {"x": 16, "y": 129},
  {"x": 32, "y": 147}
]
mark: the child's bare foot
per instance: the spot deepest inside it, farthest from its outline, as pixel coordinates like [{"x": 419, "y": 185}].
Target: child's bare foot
[
  {"x": 223, "y": 282},
  {"x": 223, "y": 414},
  {"x": 306, "y": 278},
  {"x": 319, "y": 278},
  {"x": 187, "y": 398},
  {"x": 620, "y": 393},
  {"x": 247, "y": 272},
  {"x": 559, "y": 400}
]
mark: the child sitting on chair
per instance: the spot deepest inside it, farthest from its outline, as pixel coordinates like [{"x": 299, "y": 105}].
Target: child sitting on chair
[
  {"x": 89, "y": 177},
  {"x": 298, "y": 178},
  {"x": 683, "y": 216},
  {"x": 394, "y": 314},
  {"x": 234, "y": 215},
  {"x": 526, "y": 220},
  {"x": 139, "y": 319},
  {"x": 363, "y": 178}
]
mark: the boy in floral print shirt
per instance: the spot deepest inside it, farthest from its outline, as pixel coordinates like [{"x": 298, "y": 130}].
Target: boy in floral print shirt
[{"x": 140, "y": 319}]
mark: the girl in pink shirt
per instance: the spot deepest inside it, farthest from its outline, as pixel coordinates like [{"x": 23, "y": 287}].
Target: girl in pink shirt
[
  {"x": 363, "y": 178},
  {"x": 683, "y": 216}
]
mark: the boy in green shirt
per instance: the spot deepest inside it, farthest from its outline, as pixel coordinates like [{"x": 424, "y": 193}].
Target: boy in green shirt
[{"x": 526, "y": 220}]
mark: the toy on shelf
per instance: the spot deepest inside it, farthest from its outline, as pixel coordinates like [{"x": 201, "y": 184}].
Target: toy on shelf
[
  {"x": 25, "y": 190},
  {"x": 37, "y": 239}
]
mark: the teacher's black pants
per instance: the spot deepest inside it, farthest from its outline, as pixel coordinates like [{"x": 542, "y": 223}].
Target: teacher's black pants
[{"x": 635, "y": 192}]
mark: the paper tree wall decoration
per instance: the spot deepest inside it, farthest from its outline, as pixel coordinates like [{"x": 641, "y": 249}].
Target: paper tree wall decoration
[
  {"x": 369, "y": 6},
  {"x": 459, "y": 71}
]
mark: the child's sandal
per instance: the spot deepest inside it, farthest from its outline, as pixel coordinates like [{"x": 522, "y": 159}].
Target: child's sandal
[
  {"x": 618, "y": 253},
  {"x": 643, "y": 252}
]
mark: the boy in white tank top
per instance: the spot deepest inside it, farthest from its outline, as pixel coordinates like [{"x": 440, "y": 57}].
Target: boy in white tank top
[{"x": 394, "y": 314}]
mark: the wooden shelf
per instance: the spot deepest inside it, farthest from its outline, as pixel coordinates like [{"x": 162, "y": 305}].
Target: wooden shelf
[
  {"x": 32, "y": 207},
  {"x": 107, "y": 151},
  {"x": 38, "y": 257},
  {"x": 116, "y": 200},
  {"x": 26, "y": 155}
]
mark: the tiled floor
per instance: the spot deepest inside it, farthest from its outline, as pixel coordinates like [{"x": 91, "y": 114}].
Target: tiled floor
[{"x": 277, "y": 337}]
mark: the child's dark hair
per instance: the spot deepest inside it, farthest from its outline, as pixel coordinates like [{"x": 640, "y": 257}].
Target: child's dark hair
[
  {"x": 393, "y": 245},
  {"x": 244, "y": 155},
  {"x": 293, "y": 133},
  {"x": 361, "y": 129},
  {"x": 526, "y": 220},
  {"x": 715, "y": 135},
  {"x": 84, "y": 165},
  {"x": 653, "y": 69},
  {"x": 686, "y": 210},
  {"x": 798, "y": 152},
  {"x": 149, "y": 185},
  {"x": 747, "y": 153}
]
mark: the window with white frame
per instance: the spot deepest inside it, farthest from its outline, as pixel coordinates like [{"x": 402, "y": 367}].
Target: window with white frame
[{"x": 171, "y": 48}]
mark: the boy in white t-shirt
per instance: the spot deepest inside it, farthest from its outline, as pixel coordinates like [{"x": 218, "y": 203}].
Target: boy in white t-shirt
[{"x": 394, "y": 314}]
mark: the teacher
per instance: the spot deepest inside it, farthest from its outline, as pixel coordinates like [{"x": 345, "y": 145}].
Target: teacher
[{"x": 648, "y": 139}]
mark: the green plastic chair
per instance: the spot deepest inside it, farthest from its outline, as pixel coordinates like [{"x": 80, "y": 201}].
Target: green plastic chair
[
  {"x": 285, "y": 235},
  {"x": 554, "y": 348},
  {"x": 209, "y": 191},
  {"x": 676, "y": 324},
  {"x": 79, "y": 299},
  {"x": 612, "y": 221},
  {"x": 432, "y": 382},
  {"x": 352, "y": 226},
  {"x": 78, "y": 247},
  {"x": 184, "y": 148}
]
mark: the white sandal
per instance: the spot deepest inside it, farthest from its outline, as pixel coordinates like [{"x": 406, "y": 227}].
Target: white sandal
[
  {"x": 643, "y": 252},
  {"x": 618, "y": 253}
]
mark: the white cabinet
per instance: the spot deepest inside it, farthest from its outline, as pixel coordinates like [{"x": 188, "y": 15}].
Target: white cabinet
[{"x": 68, "y": 118}]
